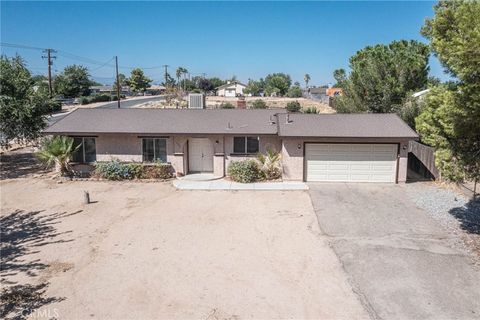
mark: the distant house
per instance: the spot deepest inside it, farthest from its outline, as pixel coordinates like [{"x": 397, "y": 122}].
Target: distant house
[
  {"x": 155, "y": 90},
  {"x": 333, "y": 92},
  {"x": 319, "y": 94},
  {"x": 231, "y": 89},
  {"x": 109, "y": 90}
]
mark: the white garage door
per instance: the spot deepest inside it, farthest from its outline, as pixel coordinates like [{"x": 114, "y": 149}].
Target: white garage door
[{"x": 351, "y": 162}]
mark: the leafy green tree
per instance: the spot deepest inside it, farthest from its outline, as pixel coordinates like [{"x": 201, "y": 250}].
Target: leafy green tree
[
  {"x": 216, "y": 82},
  {"x": 138, "y": 82},
  {"x": 307, "y": 79},
  {"x": 294, "y": 92},
  {"x": 188, "y": 85},
  {"x": 381, "y": 76},
  {"x": 450, "y": 121},
  {"x": 73, "y": 82},
  {"x": 277, "y": 83},
  {"x": 254, "y": 87},
  {"x": 57, "y": 151},
  {"x": 22, "y": 110},
  {"x": 205, "y": 85}
]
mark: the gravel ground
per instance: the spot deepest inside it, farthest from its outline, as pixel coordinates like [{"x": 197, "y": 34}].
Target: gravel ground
[{"x": 453, "y": 210}]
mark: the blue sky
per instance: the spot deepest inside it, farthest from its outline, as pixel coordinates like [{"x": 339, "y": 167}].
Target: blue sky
[{"x": 246, "y": 39}]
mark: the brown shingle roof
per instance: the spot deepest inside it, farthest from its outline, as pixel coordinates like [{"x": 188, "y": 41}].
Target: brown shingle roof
[
  {"x": 365, "y": 125},
  {"x": 166, "y": 121},
  {"x": 188, "y": 121}
]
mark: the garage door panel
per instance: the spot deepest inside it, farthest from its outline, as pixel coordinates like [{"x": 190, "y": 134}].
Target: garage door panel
[{"x": 351, "y": 162}]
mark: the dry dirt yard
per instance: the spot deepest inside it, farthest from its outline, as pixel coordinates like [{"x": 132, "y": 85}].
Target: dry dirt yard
[
  {"x": 213, "y": 102},
  {"x": 148, "y": 251}
]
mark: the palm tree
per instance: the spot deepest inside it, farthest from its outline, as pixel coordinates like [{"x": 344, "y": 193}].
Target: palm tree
[
  {"x": 56, "y": 152},
  {"x": 181, "y": 71},
  {"x": 307, "y": 79},
  {"x": 270, "y": 164}
]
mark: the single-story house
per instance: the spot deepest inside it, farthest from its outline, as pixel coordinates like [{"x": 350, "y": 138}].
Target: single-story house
[
  {"x": 155, "y": 90},
  {"x": 321, "y": 147},
  {"x": 109, "y": 90},
  {"x": 231, "y": 89}
]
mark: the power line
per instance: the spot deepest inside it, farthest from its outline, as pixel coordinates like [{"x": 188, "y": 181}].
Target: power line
[
  {"x": 76, "y": 57},
  {"x": 21, "y": 46},
  {"x": 103, "y": 65}
]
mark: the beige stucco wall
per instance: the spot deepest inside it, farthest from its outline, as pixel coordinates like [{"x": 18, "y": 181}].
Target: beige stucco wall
[
  {"x": 128, "y": 147},
  {"x": 124, "y": 147},
  {"x": 402, "y": 162},
  {"x": 292, "y": 159}
]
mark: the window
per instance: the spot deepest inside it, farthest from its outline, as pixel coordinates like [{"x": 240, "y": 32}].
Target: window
[
  {"x": 154, "y": 150},
  {"x": 86, "y": 152},
  {"x": 246, "y": 145}
]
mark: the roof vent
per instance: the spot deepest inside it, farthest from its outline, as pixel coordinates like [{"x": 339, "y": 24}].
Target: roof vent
[
  {"x": 272, "y": 119},
  {"x": 287, "y": 119},
  {"x": 229, "y": 126}
]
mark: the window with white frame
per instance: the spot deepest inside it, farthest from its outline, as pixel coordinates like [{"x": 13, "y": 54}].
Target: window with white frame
[
  {"x": 154, "y": 149},
  {"x": 246, "y": 145},
  {"x": 85, "y": 150}
]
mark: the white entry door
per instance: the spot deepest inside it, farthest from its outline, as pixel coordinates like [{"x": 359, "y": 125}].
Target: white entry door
[
  {"x": 200, "y": 155},
  {"x": 351, "y": 162}
]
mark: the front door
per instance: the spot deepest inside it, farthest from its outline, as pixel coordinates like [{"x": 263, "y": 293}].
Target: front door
[{"x": 200, "y": 155}]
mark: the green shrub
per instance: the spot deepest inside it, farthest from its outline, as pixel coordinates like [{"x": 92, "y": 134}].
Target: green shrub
[
  {"x": 114, "y": 170},
  {"x": 83, "y": 100},
  {"x": 54, "y": 105},
  {"x": 227, "y": 105},
  {"x": 259, "y": 104},
  {"x": 245, "y": 171},
  {"x": 293, "y": 106},
  {"x": 136, "y": 170},
  {"x": 310, "y": 110},
  {"x": 158, "y": 171},
  {"x": 100, "y": 98},
  {"x": 294, "y": 92}
]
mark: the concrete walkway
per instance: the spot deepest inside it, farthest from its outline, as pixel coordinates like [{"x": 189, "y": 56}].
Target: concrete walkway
[{"x": 222, "y": 184}]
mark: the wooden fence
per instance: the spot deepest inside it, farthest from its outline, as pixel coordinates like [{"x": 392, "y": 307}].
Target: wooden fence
[{"x": 426, "y": 155}]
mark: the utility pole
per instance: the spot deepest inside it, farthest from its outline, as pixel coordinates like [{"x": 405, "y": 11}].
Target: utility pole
[
  {"x": 166, "y": 73},
  {"x": 49, "y": 58},
  {"x": 118, "y": 83}
]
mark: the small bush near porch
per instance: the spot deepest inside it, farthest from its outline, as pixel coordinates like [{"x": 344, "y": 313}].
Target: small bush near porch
[
  {"x": 245, "y": 171},
  {"x": 266, "y": 167},
  {"x": 116, "y": 170}
]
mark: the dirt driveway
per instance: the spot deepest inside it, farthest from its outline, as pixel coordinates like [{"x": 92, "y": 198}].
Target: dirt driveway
[
  {"x": 146, "y": 250},
  {"x": 404, "y": 264}
]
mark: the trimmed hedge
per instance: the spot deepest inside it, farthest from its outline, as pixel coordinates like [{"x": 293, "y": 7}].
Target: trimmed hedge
[
  {"x": 293, "y": 106},
  {"x": 227, "y": 105},
  {"x": 116, "y": 170},
  {"x": 259, "y": 104},
  {"x": 244, "y": 171}
]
